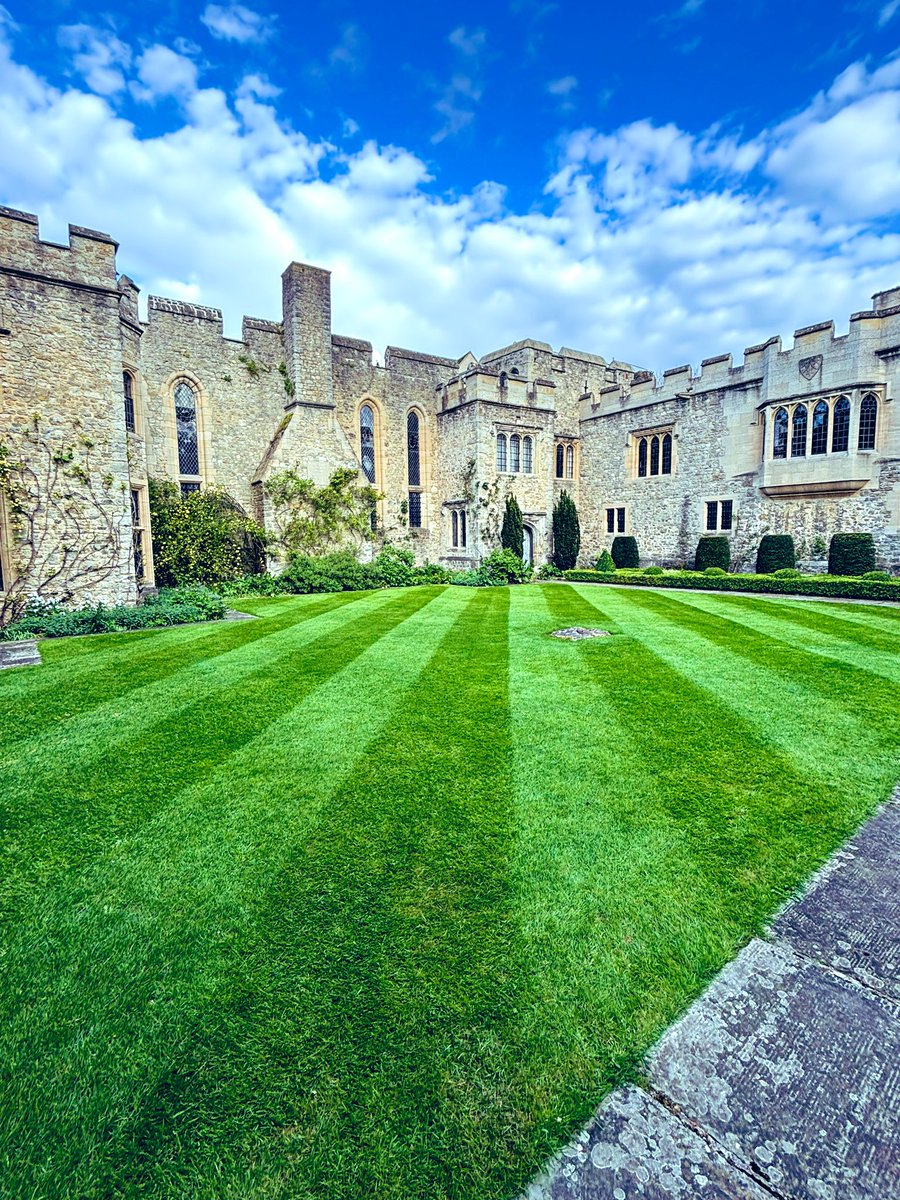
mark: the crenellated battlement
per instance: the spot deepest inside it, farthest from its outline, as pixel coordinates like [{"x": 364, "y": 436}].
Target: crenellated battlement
[{"x": 88, "y": 260}]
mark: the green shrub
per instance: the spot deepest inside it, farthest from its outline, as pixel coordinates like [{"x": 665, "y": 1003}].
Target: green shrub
[
  {"x": 502, "y": 566},
  {"x": 172, "y": 606},
  {"x": 253, "y": 585},
  {"x": 625, "y": 551},
  {"x": 786, "y": 573},
  {"x": 776, "y": 552},
  {"x": 851, "y": 554},
  {"x": 431, "y": 573},
  {"x": 878, "y": 575},
  {"x": 512, "y": 535},
  {"x": 712, "y": 552},
  {"x": 566, "y": 533},
  {"x": 204, "y": 537},
  {"x": 469, "y": 579},
  {"x": 818, "y": 547},
  {"x": 395, "y": 566},
  {"x": 549, "y": 571},
  {"x": 654, "y": 571},
  {"x": 605, "y": 563},
  {"x": 714, "y": 571},
  {"x": 339, "y": 572},
  {"x": 805, "y": 585}
]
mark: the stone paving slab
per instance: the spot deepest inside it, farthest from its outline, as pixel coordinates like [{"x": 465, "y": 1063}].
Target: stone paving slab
[
  {"x": 19, "y": 654},
  {"x": 849, "y": 916},
  {"x": 795, "y": 1072},
  {"x": 634, "y": 1147}
]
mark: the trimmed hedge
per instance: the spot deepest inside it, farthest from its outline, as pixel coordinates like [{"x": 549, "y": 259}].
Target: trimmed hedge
[
  {"x": 712, "y": 552},
  {"x": 625, "y": 552},
  {"x": 806, "y": 585},
  {"x": 851, "y": 554},
  {"x": 171, "y": 606},
  {"x": 776, "y": 553}
]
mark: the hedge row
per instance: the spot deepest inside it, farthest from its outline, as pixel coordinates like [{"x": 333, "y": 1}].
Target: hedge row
[
  {"x": 808, "y": 585},
  {"x": 172, "y": 606}
]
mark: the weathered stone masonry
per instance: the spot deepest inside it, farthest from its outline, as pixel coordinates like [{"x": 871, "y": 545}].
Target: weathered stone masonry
[{"x": 291, "y": 394}]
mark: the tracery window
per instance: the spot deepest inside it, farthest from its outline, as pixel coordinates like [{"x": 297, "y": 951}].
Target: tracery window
[
  {"x": 798, "y": 432},
  {"x": 186, "y": 434},
  {"x": 868, "y": 417},
  {"x": 570, "y": 463},
  {"x": 414, "y": 469},
  {"x": 840, "y": 426},
  {"x": 367, "y": 441},
  {"x": 514, "y": 453},
  {"x": 501, "y": 451},
  {"x": 780, "y": 434},
  {"x": 820, "y": 428},
  {"x": 128, "y": 400},
  {"x": 527, "y": 455},
  {"x": 458, "y": 528}
]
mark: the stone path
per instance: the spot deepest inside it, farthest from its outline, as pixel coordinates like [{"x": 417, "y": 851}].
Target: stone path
[{"x": 783, "y": 1079}]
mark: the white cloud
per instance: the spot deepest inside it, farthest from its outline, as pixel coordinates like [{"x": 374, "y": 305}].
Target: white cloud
[
  {"x": 461, "y": 95},
  {"x": 98, "y": 55},
  {"x": 562, "y": 87},
  {"x": 653, "y": 244},
  {"x": 887, "y": 13},
  {"x": 237, "y": 23},
  {"x": 350, "y": 48}
]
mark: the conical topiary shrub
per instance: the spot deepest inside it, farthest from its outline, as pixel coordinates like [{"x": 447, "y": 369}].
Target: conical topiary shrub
[
  {"x": 566, "y": 533},
  {"x": 512, "y": 535}
]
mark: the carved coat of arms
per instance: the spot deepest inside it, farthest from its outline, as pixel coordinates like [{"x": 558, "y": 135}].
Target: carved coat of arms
[{"x": 810, "y": 366}]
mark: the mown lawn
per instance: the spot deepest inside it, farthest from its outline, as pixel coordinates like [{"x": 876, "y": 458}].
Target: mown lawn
[{"x": 377, "y": 895}]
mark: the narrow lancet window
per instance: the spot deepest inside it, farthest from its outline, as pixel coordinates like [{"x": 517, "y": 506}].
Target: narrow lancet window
[
  {"x": 560, "y": 452},
  {"x": 780, "y": 434},
  {"x": 798, "y": 432},
  {"x": 367, "y": 441},
  {"x": 820, "y": 428},
  {"x": 128, "y": 399},
  {"x": 642, "y": 457},
  {"x": 654, "y": 456},
  {"x": 570, "y": 463},
  {"x": 186, "y": 429},
  {"x": 868, "y": 416},
  {"x": 501, "y": 451},
  {"x": 527, "y": 455},
  {"x": 840, "y": 426},
  {"x": 667, "y": 454},
  {"x": 413, "y": 457},
  {"x": 514, "y": 452}
]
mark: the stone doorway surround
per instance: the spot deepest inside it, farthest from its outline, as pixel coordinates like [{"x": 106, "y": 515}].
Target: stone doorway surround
[{"x": 783, "y": 1079}]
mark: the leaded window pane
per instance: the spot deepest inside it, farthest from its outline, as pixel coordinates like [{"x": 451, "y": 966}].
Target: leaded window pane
[
  {"x": 780, "y": 434},
  {"x": 413, "y": 457},
  {"x": 620, "y": 516},
  {"x": 526, "y": 455},
  {"x": 570, "y": 462},
  {"x": 840, "y": 426},
  {"x": 868, "y": 415},
  {"x": 462, "y": 529},
  {"x": 559, "y": 462},
  {"x": 654, "y": 456},
  {"x": 501, "y": 451},
  {"x": 667, "y": 454},
  {"x": 128, "y": 398},
  {"x": 798, "y": 434},
  {"x": 727, "y": 514},
  {"x": 367, "y": 441},
  {"x": 820, "y": 428},
  {"x": 514, "y": 452},
  {"x": 454, "y": 521},
  {"x": 188, "y": 488},
  {"x": 186, "y": 428},
  {"x": 610, "y": 520},
  {"x": 712, "y": 512},
  {"x": 642, "y": 457},
  {"x": 415, "y": 510}
]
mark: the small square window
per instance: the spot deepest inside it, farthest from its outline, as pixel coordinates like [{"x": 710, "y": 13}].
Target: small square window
[{"x": 727, "y": 514}]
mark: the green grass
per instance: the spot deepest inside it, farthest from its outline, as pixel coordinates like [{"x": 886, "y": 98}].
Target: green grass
[{"x": 378, "y": 895}]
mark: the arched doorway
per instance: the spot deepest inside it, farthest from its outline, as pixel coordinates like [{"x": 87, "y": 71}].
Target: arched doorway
[{"x": 528, "y": 544}]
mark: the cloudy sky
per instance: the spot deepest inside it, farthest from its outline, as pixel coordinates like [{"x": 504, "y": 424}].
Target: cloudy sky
[{"x": 654, "y": 182}]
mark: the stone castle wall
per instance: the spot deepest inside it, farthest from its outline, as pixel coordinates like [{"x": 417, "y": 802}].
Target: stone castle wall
[{"x": 288, "y": 394}]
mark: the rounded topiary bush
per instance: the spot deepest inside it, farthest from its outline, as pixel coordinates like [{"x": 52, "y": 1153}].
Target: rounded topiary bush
[
  {"x": 776, "y": 552},
  {"x": 625, "y": 551},
  {"x": 785, "y": 573},
  {"x": 714, "y": 571},
  {"x": 883, "y": 575},
  {"x": 851, "y": 554},
  {"x": 605, "y": 563},
  {"x": 712, "y": 552},
  {"x": 653, "y": 571}
]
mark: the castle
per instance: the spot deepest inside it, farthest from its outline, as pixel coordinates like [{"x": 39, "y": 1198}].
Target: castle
[{"x": 96, "y": 402}]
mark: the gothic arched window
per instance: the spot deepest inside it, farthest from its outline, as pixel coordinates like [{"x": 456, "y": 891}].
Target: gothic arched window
[
  {"x": 128, "y": 398},
  {"x": 514, "y": 452},
  {"x": 527, "y": 455},
  {"x": 840, "y": 425},
  {"x": 462, "y": 528},
  {"x": 560, "y": 459},
  {"x": 413, "y": 465},
  {"x": 642, "y": 457},
  {"x": 868, "y": 417},
  {"x": 367, "y": 441},
  {"x": 798, "y": 432},
  {"x": 820, "y": 428},
  {"x": 501, "y": 451},
  {"x": 186, "y": 429},
  {"x": 654, "y": 456},
  {"x": 570, "y": 463},
  {"x": 780, "y": 434},
  {"x": 454, "y": 522},
  {"x": 667, "y": 454}
]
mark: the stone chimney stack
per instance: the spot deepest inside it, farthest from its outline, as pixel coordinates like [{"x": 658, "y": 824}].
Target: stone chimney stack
[{"x": 306, "y": 304}]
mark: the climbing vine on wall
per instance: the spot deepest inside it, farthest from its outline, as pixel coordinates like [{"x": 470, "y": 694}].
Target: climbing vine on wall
[
  {"x": 316, "y": 520},
  {"x": 64, "y": 522}
]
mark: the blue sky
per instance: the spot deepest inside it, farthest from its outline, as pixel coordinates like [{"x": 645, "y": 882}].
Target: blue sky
[{"x": 654, "y": 182}]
